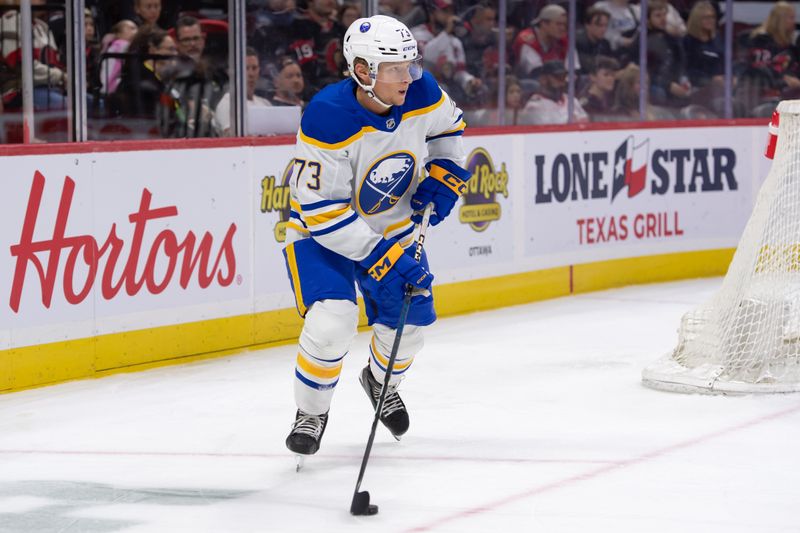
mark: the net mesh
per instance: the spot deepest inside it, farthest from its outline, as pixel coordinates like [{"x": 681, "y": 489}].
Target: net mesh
[{"x": 747, "y": 337}]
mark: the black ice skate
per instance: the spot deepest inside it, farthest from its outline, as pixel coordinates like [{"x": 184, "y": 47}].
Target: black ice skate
[
  {"x": 394, "y": 415},
  {"x": 306, "y": 434}
]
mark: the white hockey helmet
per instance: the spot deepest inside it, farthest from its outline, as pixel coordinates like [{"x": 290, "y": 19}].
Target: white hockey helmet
[{"x": 380, "y": 39}]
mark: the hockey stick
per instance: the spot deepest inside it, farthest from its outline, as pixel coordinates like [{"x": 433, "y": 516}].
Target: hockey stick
[{"x": 360, "y": 504}]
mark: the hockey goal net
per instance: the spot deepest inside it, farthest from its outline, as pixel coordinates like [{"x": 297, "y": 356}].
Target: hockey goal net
[{"x": 747, "y": 337}]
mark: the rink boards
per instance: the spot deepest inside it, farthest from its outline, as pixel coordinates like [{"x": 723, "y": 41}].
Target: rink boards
[{"x": 118, "y": 256}]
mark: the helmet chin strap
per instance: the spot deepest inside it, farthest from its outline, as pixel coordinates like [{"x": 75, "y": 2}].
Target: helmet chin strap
[
  {"x": 377, "y": 100},
  {"x": 369, "y": 89}
]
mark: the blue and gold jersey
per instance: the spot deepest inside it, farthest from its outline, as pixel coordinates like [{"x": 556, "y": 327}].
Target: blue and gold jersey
[{"x": 354, "y": 172}]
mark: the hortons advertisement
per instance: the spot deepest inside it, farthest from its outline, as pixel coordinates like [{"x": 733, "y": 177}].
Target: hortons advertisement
[
  {"x": 604, "y": 195},
  {"x": 103, "y": 243}
]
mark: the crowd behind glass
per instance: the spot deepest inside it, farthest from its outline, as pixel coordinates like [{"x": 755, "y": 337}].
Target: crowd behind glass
[{"x": 159, "y": 68}]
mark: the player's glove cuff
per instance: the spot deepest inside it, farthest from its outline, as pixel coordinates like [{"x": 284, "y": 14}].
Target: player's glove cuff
[
  {"x": 388, "y": 256},
  {"x": 382, "y": 258},
  {"x": 445, "y": 183},
  {"x": 449, "y": 174}
]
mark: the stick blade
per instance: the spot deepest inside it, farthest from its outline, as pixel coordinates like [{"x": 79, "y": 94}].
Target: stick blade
[{"x": 361, "y": 506}]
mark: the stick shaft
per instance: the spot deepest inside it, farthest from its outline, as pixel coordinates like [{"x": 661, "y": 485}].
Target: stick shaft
[{"x": 401, "y": 322}]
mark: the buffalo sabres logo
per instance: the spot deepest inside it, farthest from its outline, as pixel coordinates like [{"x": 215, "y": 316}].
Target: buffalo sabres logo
[{"x": 386, "y": 182}]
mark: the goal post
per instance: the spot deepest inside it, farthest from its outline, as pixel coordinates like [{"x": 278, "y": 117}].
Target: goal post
[{"x": 746, "y": 339}]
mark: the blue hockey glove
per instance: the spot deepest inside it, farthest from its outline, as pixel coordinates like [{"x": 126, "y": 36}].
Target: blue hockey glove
[
  {"x": 392, "y": 266},
  {"x": 445, "y": 183}
]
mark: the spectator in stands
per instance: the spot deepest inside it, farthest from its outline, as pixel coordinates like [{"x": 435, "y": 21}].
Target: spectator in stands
[
  {"x": 269, "y": 16},
  {"x": 109, "y": 12},
  {"x": 349, "y": 12},
  {"x": 446, "y": 74},
  {"x": 623, "y": 27},
  {"x": 772, "y": 55},
  {"x": 269, "y": 28},
  {"x": 122, "y": 33},
  {"x": 489, "y": 115},
  {"x": 49, "y": 72},
  {"x": 514, "y": 101},
  {"x": 409, "y": 12},
  {"x": 598, "y": 99},
  {"x": 626, "y": 97},
  {"x": 675, "y": 25},
  {"x": 481, "y": 38},
  {"x": 550, "y": 103},
  {"x": 190, "y": 38},
  {"x": 627, "y": 92},
  {"x": 684, "y": 7},
  {"x": 93, "y": 84},
  {"x": 147, "y": 12},
  {"x": 439, "y": 45},
  {"x": 144, "y": 78},
  {"x": 289, "y": 84},
  {"x": 222, "y": 113},
  {"x": 514, "y": 94},
  {"x": 590, "y": 41},
  {"x": 545, "y": 41},
  {"x": 314, "y": 38},
  {"x": 196, "y": 87},
  {"x": 89, "y": 28},
  {"x": 666, "y": 62},
  {"x": 191, "y": 95},
  {"x": 705, "y": 56}
]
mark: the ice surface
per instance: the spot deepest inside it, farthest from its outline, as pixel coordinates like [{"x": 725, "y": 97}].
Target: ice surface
[{"x": 530, "y": 418}]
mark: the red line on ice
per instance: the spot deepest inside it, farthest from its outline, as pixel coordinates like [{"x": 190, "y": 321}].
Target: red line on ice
[{"x": 561, "y": 483}]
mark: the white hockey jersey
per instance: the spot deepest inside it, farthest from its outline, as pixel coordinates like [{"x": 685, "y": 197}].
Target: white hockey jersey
[{"x": 354, "y": 171}]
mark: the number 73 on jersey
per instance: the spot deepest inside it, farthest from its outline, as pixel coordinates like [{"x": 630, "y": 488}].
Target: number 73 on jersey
[{"x": 312, "y": 176}]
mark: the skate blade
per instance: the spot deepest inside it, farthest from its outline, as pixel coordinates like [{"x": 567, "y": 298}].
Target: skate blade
[
  {"x": 300, "y": 461},
  {"x": 397, "y": 437}
]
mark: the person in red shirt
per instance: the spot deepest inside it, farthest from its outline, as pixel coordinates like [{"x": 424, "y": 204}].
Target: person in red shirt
[{"x": 545, "y": 41}]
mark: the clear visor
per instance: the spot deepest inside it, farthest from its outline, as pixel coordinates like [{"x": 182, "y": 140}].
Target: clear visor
[{"x": 400, "y": 71}]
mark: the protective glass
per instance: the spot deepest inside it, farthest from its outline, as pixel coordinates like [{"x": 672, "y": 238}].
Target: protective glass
[{"x": 399, "y": 71}]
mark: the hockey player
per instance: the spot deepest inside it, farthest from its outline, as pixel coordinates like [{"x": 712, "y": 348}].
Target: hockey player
[{"x": 355, "y": 197}]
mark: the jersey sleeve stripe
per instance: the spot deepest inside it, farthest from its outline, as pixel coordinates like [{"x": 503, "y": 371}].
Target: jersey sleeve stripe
[
  {"x": 295, "y": 215},
  {"x": 399, "y": 232},
  {"x": 396, "y": 226},
  {"x": 336, "y": 226},
  {"x": 327, "y": 216},
  {"x": 322, "y": 203},
  {"x": 443, "y": 135},
  {"x": 404, "y": 234},
  {"x": 297, "y": 227},
  {"x": 459, "y": 126}
]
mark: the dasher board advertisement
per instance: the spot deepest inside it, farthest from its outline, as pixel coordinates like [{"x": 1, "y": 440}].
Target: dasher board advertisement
[
  {"x": 108, "y": 242},
  {"x": 593, "y": 196}
]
